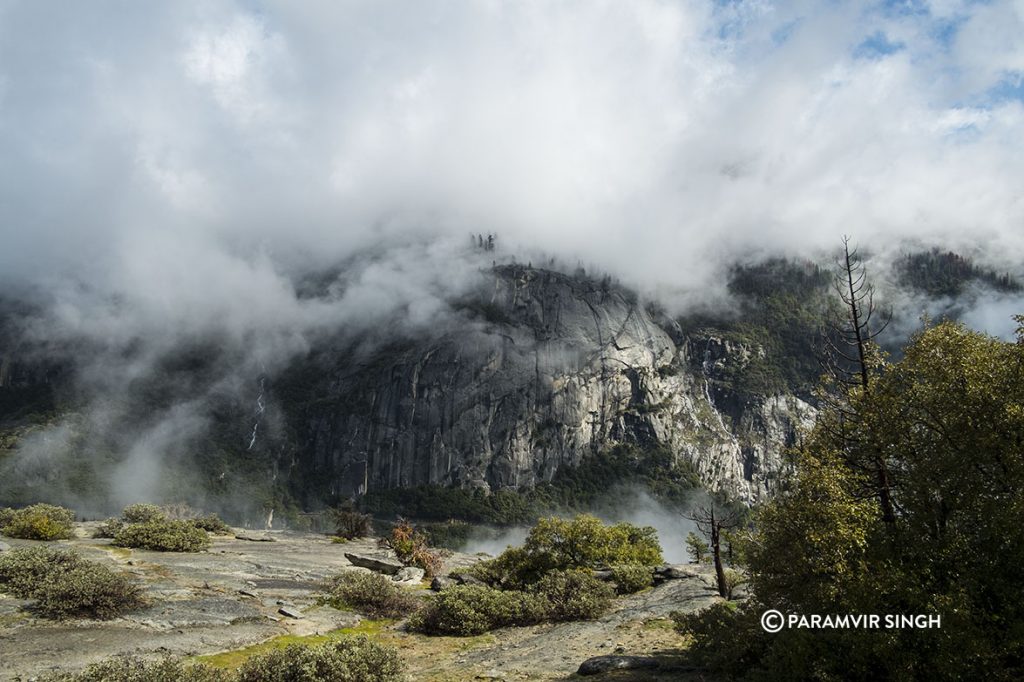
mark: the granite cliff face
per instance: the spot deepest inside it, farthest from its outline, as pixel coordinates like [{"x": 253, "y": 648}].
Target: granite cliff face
[{"x": 549, "y": 369}]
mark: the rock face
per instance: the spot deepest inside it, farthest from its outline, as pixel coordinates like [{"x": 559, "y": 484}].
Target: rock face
[{"x": 547, "y": 370}]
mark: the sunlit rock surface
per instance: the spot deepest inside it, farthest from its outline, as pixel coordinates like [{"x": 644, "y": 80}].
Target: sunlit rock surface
[{"x": 549, "y": 369}]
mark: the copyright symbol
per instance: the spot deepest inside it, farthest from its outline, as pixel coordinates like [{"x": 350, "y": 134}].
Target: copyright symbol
[{"x": 772, "y": 620}]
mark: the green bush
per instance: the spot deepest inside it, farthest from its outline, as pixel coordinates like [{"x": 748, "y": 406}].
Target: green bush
[
  {"x": 574, "y": 595},
  {"x": 163, "y": 536},
  {"x": 131, "y": 669},
  {"x": 108, "y": 529},
  {"x": 353, "y": 659},
  {"x": 630, "y": 578},
  {"x": 370, "y": 594},
  {"x": 6, "y": 516},
  {"x": 65, "y": 585},
  {"x": 352, "y": 525},
  {"x": 39, "y": 522},
  {"x": 727, "y": 639},
  {"x": 474, "y": 609},
  {"x": 211, "y": 523},
  {"x": 143, "y": 513},
  {"x": 560, "y": 544},
  {"x": 23, "y": 568}
]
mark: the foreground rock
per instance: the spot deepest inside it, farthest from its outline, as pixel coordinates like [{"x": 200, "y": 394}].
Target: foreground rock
[
  {"x": 234, "y": 596},
  {"x": 441, "y": 583},
  {"x": 602, "y": 664}
]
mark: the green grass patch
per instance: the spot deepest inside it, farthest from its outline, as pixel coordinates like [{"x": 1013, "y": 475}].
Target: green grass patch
[
  {"x": 230, "y": 660},
  {"x": 659, "y": 624}
]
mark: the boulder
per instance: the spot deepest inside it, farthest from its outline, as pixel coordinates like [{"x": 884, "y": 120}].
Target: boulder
[
  {"x": 378, "y": 564},
  {"x": 290, "y": 612},
  {"x": 439, "y": 583},
  {"x": 676, "y": 572},
  {"x": 409, "y": 574},
  {"x": 602, "y": 664},
  {"x": 465, "y": 579}
]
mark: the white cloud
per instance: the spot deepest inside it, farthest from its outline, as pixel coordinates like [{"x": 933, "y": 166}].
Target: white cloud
[{"x": 653, "y": 139}]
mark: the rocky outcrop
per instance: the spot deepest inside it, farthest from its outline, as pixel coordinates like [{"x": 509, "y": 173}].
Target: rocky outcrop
[
  {"x": 378, "y": 564},
  {"x": 602, "y": 664},
  {"x": 546, "y": 370}
]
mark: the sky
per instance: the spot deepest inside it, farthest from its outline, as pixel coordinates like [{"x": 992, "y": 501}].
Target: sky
[
  {"x": 172, "y": 173},
  {"x": 188, "y": 159}
]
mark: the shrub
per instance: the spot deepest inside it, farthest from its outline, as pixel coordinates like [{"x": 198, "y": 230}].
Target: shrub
[
  {"x": 131, "y": 669},
  {"x": 211, "y": 523},
  {"x": 6, "y": 516},
  {"x": 733, "y": 580},
  {"x": 727, "y": 639},
  {"x": 143, "y": 513},
  {"x": 630, "y": 578},
  {"x": 352, "y": 525},
  {"x": 65, "y": 585},
  {"x": 475, "y": 609},
  {"x": 429, "y": 560},
  {"x": 410, "y": 546},
  {"x": 39, "y": 522},
  {"x": 163, "y": 536},
  {"x": 560, "y": 544},
  {"x": 108, "y": 529},
  {"x": 370, "y": 594},
  {"x": 574, "y": 595},
  {"x": 353, "y": 659},
  {"x": 23, "y": 568}
]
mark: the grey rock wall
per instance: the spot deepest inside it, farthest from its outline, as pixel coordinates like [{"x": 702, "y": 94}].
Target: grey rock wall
[{"x": 547, "y": 370}]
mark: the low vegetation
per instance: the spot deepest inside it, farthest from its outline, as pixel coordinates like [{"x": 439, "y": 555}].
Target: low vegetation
[
  {"x": 211, "y": 523},
  {"x": 64, "y": 585},
  {"x": 142, "y": 513},
  {"x": 466, "y": 610},
  {"x": 352, "y": 659},
  {"x": 549, "y": 579},
  {"x": 177, "y": 528},
  {"x": 370, "y": 594},
  {"x": 38, "y": 522},
  {"x": 163, "y": 536},
  {"x": 559, "y": 596},
  {"x": 352, "y": 525},
  {"x": 410, "y": 545},
  {"x": 108, "y": 528},
  {"x": 562, "y": 544},
  {"x": 132, "y": 669},
  {"x": 574, "y": 594},
  {"x": 630, "y": 578}
]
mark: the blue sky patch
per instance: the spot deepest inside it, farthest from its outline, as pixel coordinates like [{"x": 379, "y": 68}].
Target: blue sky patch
[{"x": 876, "y": 46}]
